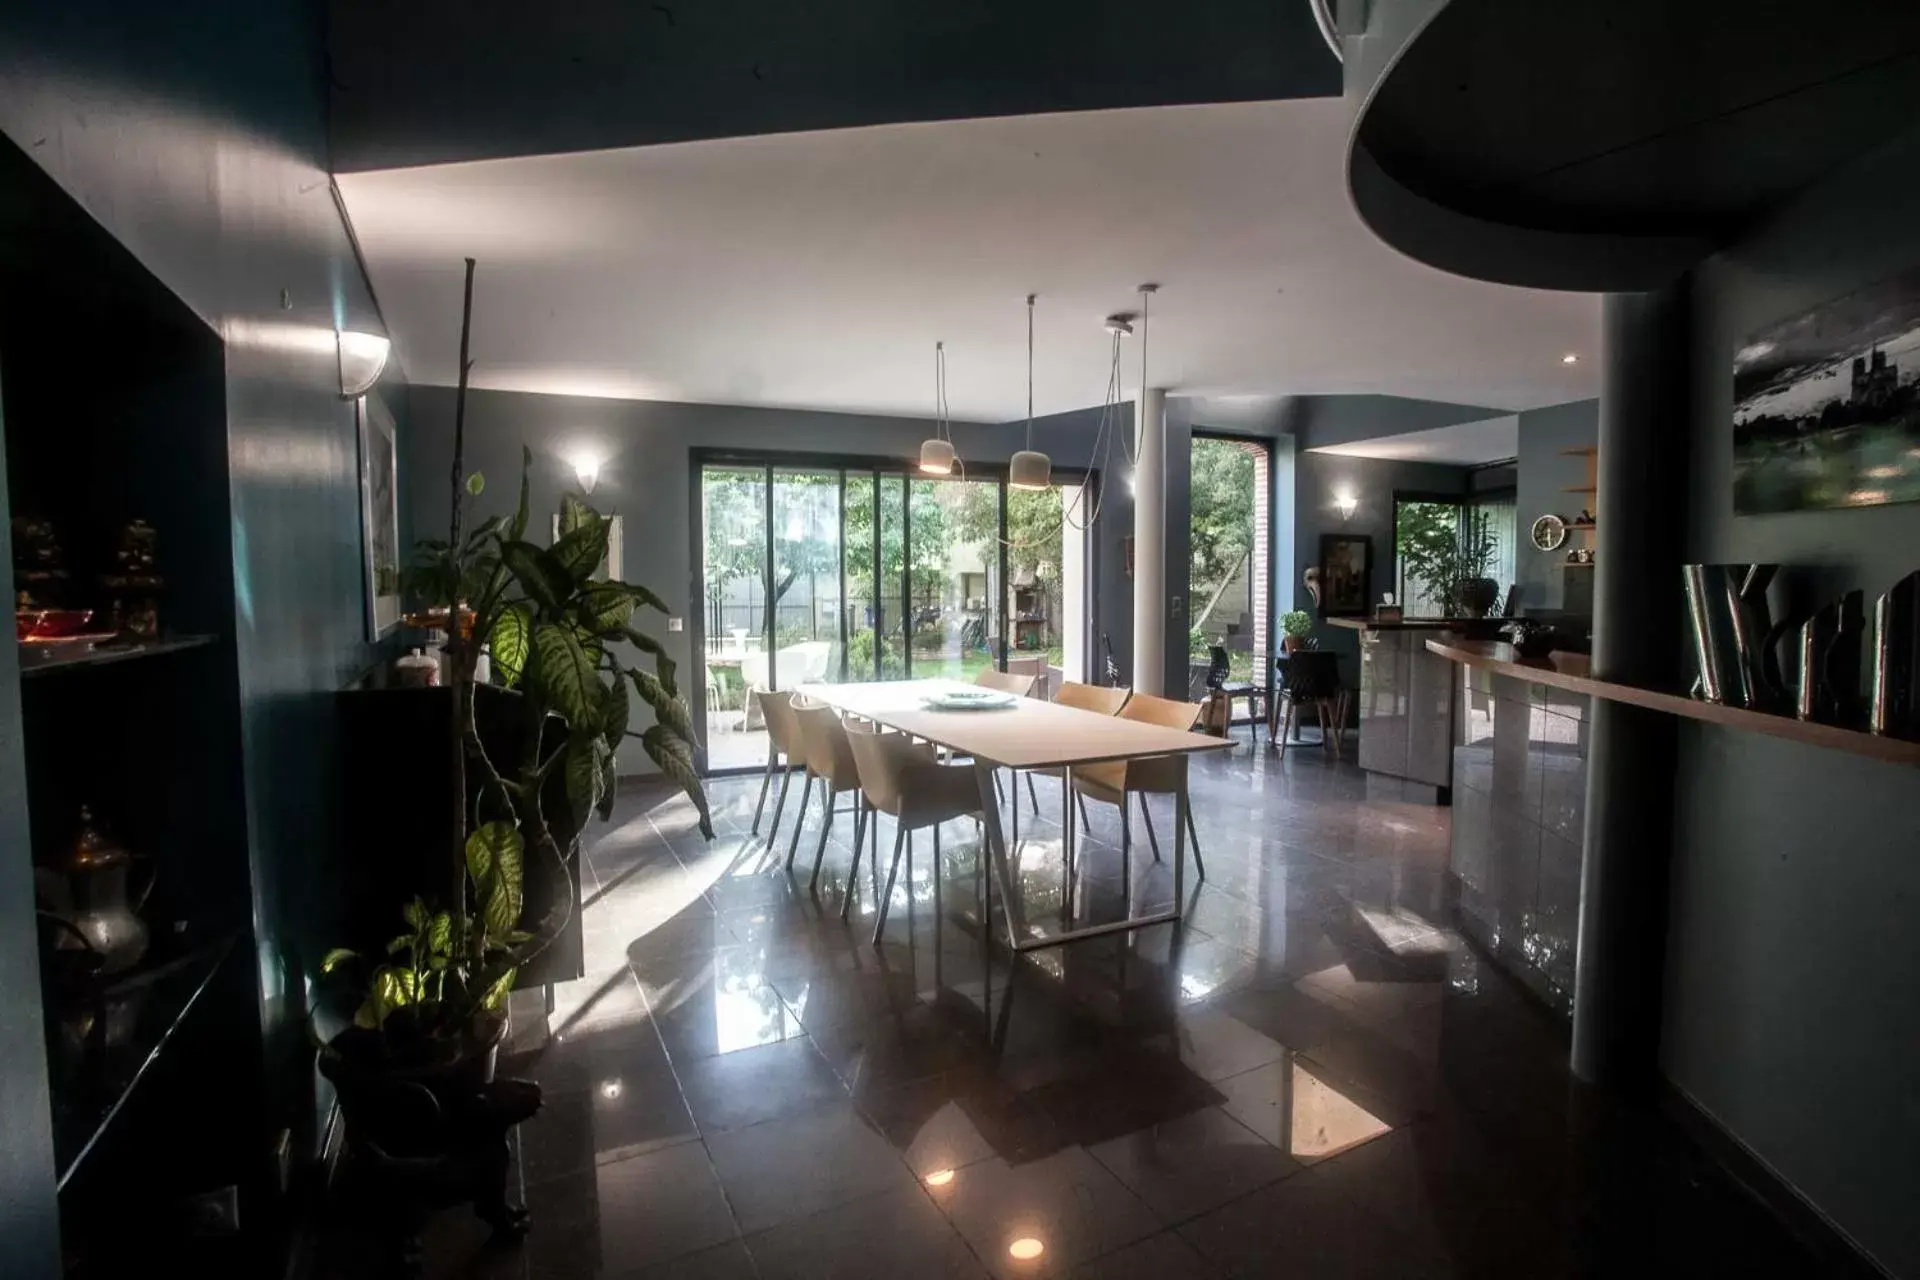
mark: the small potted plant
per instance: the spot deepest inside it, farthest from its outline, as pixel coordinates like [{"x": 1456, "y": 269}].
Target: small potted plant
[
  {"x": 1296, "y": 626},
  {"x": 415, "y": 1070}
]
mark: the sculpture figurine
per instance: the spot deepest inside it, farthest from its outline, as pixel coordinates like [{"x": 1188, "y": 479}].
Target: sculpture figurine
[{"x": 134, "y": 585}]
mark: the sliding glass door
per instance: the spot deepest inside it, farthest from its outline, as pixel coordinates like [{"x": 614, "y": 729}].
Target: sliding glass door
[{"x": 852, "y": 572}]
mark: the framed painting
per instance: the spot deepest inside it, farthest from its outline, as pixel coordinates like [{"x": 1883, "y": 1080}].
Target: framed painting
[
  {"x": 379, "y": 514},
  {"x": 1346, "y": 574},
  {"x": 1826, "y": 405}
]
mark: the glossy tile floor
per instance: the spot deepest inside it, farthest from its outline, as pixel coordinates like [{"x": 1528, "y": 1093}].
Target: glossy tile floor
[{"x": 1312, "y": 1077}]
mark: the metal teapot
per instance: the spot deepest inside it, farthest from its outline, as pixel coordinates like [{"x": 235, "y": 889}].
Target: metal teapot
[{"x": 87, "y": 890}]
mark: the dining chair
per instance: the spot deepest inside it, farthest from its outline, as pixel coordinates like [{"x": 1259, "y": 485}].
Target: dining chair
[
  {"x": 1099, "y": 699},
  {"x": 1020, "y": 685},
  {"x": 901, "y": 778},
  {"x": 1112, "y": 782},
  {"x": 829, "y": 761},
  {"x": 1312, "y": 679},
  {"x": 783, "y": 752},
  {"x": 1221, "y": 683}
]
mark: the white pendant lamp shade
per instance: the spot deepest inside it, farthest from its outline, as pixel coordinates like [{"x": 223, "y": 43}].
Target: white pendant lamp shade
[
  {"x": 1030, "y": 470},
  {"x": 936, "y": 457}
]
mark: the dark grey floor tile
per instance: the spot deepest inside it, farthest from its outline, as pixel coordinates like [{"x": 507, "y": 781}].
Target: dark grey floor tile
[
  {"x": 1198, "y": 1162},
  {"x": 887, "y": 1236},
  {"x": 1043, "y": 1217},
  {"x": 622, "y": 1115},
  {"x": 735, "y": 1090},
  {"x": 1162, "y": 1257},
  {"x": 798, "y": 1166}
]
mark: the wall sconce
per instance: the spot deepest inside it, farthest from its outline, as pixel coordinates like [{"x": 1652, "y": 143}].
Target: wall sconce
[
  {"x": 586, "y": 469},
  {"x": 363, "y": 357},
  {"x": 1344, "y": 500}
]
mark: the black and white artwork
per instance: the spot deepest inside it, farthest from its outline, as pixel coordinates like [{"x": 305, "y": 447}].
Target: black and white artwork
[
  {"x": 1826, "y": 406},
  {"x": 379, "y": 515}
]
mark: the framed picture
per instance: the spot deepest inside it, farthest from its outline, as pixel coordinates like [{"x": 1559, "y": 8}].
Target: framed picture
[
  {"x": 379, "y": 514},
  {"x": 1826, "y": 405},
  {"x": 609, "y": 567},
  {"x": 1346, "y": 574}
]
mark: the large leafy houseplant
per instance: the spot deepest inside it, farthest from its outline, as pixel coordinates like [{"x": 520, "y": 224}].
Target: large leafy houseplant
[
  {"x": 559, "y": 640},
  {"x": 1448, "y": 550}
]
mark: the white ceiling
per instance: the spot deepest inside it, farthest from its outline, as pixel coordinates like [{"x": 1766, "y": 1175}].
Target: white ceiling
[
  {"x": 1463, "y": 443},
  {"x": 816, "y": 270}
]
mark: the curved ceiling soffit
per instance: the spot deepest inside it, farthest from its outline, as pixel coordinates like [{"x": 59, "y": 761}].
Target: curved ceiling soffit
[{"x": 1468, "y": 245}]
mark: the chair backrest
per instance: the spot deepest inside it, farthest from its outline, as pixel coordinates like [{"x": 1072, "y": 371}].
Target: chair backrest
[
  {"x": 776, "y": 708},
  {"x": 1013, "y": 682},
  {"x": 1217, "y": 665},
  {"x": 1313, "y": 673},
  {"x": 1158, "y": 773},
  {"x": 1091, "y": 697},
  {"x": 823, "y": 744},
  {"x": 882, "y": 762}
]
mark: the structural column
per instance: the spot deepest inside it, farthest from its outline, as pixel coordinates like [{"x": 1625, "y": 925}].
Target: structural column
[
  {"x": 1150, "y": 542},
  {"x": 1637, "y": 639}
]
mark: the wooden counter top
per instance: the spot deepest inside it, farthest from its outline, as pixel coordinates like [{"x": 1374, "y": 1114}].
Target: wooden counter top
[
  {"x": 1498, "y": 657},
  {"x": 1412, "y": 624}
]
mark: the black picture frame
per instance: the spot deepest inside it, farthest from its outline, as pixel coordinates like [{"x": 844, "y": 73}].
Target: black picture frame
[{"x": 1344, "y": 591}]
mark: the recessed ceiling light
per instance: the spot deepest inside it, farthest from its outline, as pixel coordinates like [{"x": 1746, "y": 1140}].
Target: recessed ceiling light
[
  {"x": 940, "y": 1177},
  {"x": 1025, "y": 1248},
  {"x": 1570, "y": 358}
]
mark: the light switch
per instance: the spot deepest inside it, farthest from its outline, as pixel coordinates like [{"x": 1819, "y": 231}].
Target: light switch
[{"x": 676, "y": 624}]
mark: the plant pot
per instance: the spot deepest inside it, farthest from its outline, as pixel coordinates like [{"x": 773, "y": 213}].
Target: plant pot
[
  {"x": 1292, "y": 644},
  {"x": 427, "y": 1132},
  {"x": 1477, "y": 596}
]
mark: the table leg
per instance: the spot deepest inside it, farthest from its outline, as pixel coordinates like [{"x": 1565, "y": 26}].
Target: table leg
[
  {"x": 1180, "y": 841},
  {"x": 997, "y": 851}
]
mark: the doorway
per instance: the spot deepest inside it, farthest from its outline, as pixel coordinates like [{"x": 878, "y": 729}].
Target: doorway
[{"x": 847, "y": 570}]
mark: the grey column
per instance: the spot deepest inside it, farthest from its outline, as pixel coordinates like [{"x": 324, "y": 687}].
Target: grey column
[{"x": 1637, "y": 640}]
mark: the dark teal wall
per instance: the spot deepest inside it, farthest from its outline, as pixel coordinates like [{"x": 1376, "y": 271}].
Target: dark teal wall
[
  {"x": 1544, "y": 473},
  {"x": 1792, "y": 968},
  {"x": 196, "y": 134}
]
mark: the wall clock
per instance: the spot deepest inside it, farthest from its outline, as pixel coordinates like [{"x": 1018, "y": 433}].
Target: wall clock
[{"x": 1549, "y": 532}]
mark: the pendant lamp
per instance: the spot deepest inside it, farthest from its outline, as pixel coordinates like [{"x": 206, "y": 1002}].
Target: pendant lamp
[
  {"x": 936, "y": 455},
  {"x": 1029, "y": 468}
]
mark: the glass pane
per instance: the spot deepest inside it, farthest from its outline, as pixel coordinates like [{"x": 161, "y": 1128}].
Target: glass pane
[
  {"x": 889, "y": 614},
  {"x": 1224, "y": 597},
  {"x": 806, "y": 577},
  {"x": 734, "y": 570},
  {"x": 956, "y": 577},
  {"x": 1425, "y": 540},
  {"x": 859, "y": 557},
  {"x": 1040, "y": 604}
]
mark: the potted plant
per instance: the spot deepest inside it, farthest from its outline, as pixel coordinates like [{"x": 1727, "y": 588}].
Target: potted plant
[
  {"x": 1452, "y": 559},
  {"x": 1296, "y": 625},
  {"x": 414, "y": 1071}
]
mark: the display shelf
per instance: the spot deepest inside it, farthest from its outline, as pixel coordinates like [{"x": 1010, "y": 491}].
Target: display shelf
[
  {"x": 1580, "y": 488},
  {"x": 107, "y": 656},
  {"x": 1581, "y": 451},
  {"x": 129, "y": 1023},
  {"x": 1500, "y": 658}
]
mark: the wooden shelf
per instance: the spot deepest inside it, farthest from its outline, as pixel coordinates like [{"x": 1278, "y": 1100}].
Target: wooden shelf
[
  {"x": 1499, "y": 658},
  {"x": 108, "y": 656},
  {"x": 1582, "y": 451},
  {"x": 1581, "y": 524},
  {"x": 1579, "y": 488}
]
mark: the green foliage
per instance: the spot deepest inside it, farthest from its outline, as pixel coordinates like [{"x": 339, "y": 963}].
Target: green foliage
[
  {"x": 1221, "y": 494},
  {"x": 1297, "y": 623},
  {"x": 1441, "y": 546}
]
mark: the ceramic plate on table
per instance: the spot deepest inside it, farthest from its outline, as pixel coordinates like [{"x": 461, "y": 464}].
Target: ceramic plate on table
[{"x": 968, "y": 700}]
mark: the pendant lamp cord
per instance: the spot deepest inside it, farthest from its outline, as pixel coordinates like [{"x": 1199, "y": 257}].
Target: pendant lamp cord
[{"x": 1030, "y": 298}]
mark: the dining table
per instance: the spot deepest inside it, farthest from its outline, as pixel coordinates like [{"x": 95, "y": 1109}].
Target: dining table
[{"x": 1027, "y": 734}]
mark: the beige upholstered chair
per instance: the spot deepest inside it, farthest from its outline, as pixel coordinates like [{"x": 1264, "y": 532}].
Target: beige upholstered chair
[
  {"x": 783, "y": 752},
  {"x": 1113, "y": 781},
  {"x": 823, "y": 748},
  {"x": 901, "y": 778},
  {"x": 1100, "y": 700},
  {"x": 1017, "y": 683}
]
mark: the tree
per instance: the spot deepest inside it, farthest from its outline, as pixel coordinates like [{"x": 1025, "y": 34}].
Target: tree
[
  {"x": 1221, "y": 498},
  {"x": 1440, "y": 547}
]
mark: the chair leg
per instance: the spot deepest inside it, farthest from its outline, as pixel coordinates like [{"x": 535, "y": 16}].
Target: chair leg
[
  {"x": 1146, "y": 816},
  {"x": 1016, "y": 804},
  {"x": 886, "y": 898},
  {"x": 1286, "y": 726},
  {"x": 826, "y": 825},
  {"x": 1126, "y": 856},
  {"x": 871, "y": 816},
  {"x": 799, "y": 820},
  {"x": 1194, "y": 838},
  {"x": 999, "y": 792},
  {"x": 1085, "y": 825},
  {"x": 1032, "y": 797},
  {"x": 766, "y": 781},
  {"x": 786, "y": 780}
]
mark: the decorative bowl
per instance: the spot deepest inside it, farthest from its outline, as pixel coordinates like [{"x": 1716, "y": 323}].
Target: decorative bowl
[
  {"x": 50, "y": 624},
  {"x": 968, "y": 700}
]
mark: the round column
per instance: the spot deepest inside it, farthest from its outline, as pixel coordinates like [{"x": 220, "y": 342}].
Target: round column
[{"x": 1150, "y": 542}]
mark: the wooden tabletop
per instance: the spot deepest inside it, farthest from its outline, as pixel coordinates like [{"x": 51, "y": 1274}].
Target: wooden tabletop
[{"x": 1031, "y": 734}]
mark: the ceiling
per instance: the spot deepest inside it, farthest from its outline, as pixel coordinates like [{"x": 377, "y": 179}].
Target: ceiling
[
  {"x": 1464, "y": 444},
  {"x": 432, "y": 81},
  {"x": 817, "y": 270}
]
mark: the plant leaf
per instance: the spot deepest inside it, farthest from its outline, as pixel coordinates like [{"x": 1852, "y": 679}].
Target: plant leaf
[
  {"x": 485, "y": 529},
  {"x": 642, "y": 596},
  {"x": 606, "y": 606},
  {"x": 565, "y": 672},
  {"x": 518, "y": 529},
  {"x": 615, "y": 711},
  {"x": 337, "y": 957},
  {"x": 539, "y": 574},
  {"x": 583, "y": 549},
  {"x": 574, "y": 514},
  {"x": 511, "y": 638},
  {"x": 402, "y": 943},
  {"x": 484, "y": 853},
  {"x": 674, "y": 755},
  {"x": 668, "y": 709},
  {"x": 440, "y": 933},
  {"x": 504, "y": 894},
  {"x": 368, "y": 1015},
  {"x": 608, "y": 782},
  {"x": 585, "y": 778},
  {"x": 496, "y": 995},
  {"x": 476, "y": 483},
  {"x": 415, "y": 914},
  {"x": 662, "y": 664}
]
